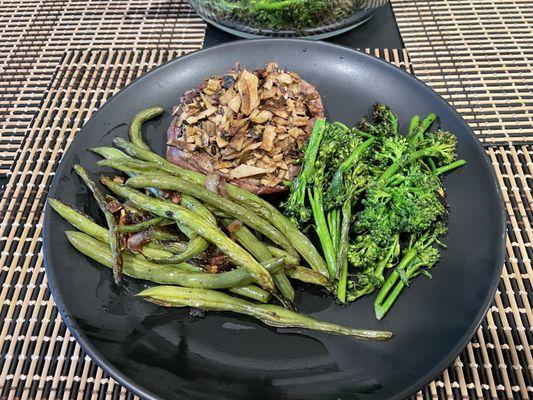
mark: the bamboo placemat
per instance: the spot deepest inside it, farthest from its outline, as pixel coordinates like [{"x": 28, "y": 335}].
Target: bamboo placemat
[
  {"x": 34, "y": 35},
  {"x": 478, "y": 54},
  {"x": 50, "y": 87}
]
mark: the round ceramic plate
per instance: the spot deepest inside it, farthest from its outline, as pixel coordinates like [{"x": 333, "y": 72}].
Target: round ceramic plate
[{"x": 162, "y": 353}]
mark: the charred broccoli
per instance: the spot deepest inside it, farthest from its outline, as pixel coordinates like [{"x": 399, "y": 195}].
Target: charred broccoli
[{"x": 371, "y": 192}]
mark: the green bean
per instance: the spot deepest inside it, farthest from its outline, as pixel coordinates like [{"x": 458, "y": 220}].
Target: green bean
[
  {"x": 110, "y": 153},
  {"x": 88, "y": 226},
  {"x": 79, "y": 220},
  {"x": 153, "y": 250},
  {"x": 135, "y": 129},
  {"x": 173, "y": 247},
  {"x": 156, "y": 233},
  {"x": 197, "y": 244},
  {"x": 302, "y": 275},
  {"x": 298, "y": 272},
  {"x": 243, "y": 197},
  {"x": 142, "y": 269},
  {"x": 111, "y": 223},
  {"x": 128, "y": 165},
  {"x": 205, "y": 229},
  {"x": 260, "y": 251},
  {"x": 218, "y": 213},
  {"x": 252, "y": 292},
  {"x": 163, "y": 181},
  {"x": 272, "y": 214},
  {"x": 198, "y": 208},
  {"x": 247, "y": 239},
  {"x": 171, "y": 296},
  {"x": 307, "y": 275},
  {"x": 289, "y": 260},
  {"x": 141, "y": 226},
  {"x": 194, "y": 248}
]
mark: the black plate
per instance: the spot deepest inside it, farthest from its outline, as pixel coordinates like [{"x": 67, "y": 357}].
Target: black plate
[{"x": 160, "y": 353}]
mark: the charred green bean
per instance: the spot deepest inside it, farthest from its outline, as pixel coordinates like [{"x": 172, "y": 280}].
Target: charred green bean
[
  {"x": 142, "y": 269},
  {"x": 171, "y": 296},
  {"x": 205, "y": 229},
  {"x": 260, "y": 251},
  {"x": 141, "y": 226},
  {"x": 135, "y": 128},
  {"x": 253, "y": 220},
  {"x": 111, "y": 223},
  {"x": 243, "y": 197}
]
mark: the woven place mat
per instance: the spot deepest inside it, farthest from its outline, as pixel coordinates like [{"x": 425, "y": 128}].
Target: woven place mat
[
  {"x": 34, "y": 35},
  {"x": 40, "y": 359},
  {"x": 478, "y": 54}
]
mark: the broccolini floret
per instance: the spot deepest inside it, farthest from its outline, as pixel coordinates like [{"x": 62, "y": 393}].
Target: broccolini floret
[{"x": 373, "y": 192}]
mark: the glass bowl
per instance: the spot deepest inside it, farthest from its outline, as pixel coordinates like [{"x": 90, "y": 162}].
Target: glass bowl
[{"x": 316, "y": 19}]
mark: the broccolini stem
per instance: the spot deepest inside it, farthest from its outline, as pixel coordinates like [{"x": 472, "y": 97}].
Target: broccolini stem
[
  {"x": 449, "y": 167},
  {"x": 390, "y": 254},
  {"x": 426, "y": 122},
  {"x": 342, "y": 251},
  {"x": 393, "y": 168},
  {"x": 338, "y": 178},
  {"x": 364, "y": 134},
  {"x": 393, "y": 294},
  {"x": 386, "y": 298},
  {"x": 296, "y": 202},
  {"x": 334, "y": 222},
  {"x": 413, "y": 125},
  {"x": 317, "y": 205}
]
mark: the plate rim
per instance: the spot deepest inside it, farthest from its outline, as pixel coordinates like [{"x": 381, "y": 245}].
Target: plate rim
[{"x": 419, "y": 383}]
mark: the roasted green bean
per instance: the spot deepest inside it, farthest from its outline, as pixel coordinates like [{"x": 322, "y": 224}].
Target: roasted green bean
[
  {"x": 168, "y": 182},
  {"x": 194, "y": 248},
  {"x": 157, "y": 233},
  {"x": 205, "y": 229},
  {"x": 88, "y": 226},
  {"x": 135, "y": 128},
  {"x": 260, "y": 251},
  {"x": 141, "y": 226},
  {"x": 110, "y": 153},
  {"x": 289, "y": 260},
  {"x": 197, "y": 244},
  {"x": 142, "y": 269},
  {"x": 243, "y": 197},
  {"x": 298, "y": 272},
  {"x": 307, "y": 275},
  {"x": 111, "y": 223},
  {"x": 171, "y": 296}
]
